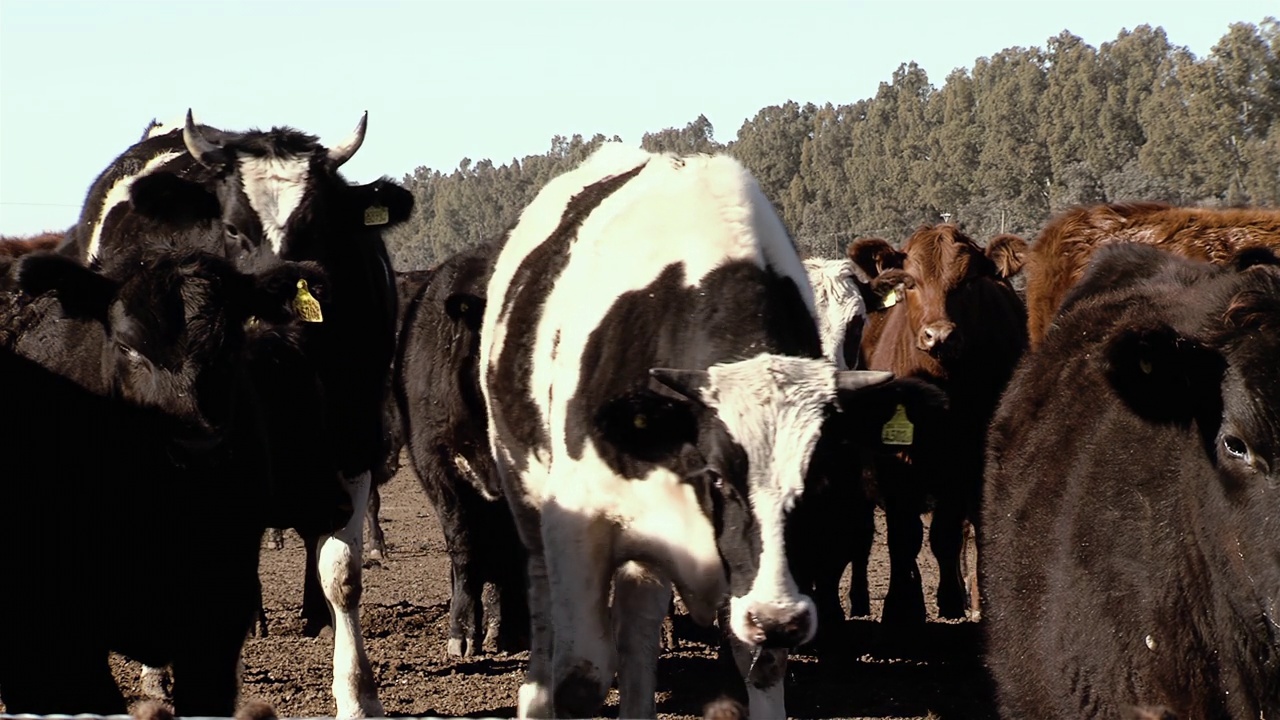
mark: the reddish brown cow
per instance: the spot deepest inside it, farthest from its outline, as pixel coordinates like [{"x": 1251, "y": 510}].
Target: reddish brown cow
[
  {"x": 12, "y": 246},
  {"x": 954, "y": 320},
  {"x": 1058, "y": 256}
]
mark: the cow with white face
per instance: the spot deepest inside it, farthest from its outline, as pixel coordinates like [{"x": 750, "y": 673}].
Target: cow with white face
[
  {"x": 841, "y": 311},
  {"x": 655, "y": 383}
]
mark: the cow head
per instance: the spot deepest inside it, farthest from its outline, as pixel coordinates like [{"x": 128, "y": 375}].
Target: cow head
[
  {"x": 175, "y": 322},
  {"x": 741, "y": 434},
  {"x": 276, "y": 192},
  {"x": 1197, "y": 349},
  {"x": 840, "y": 306},
  {"x": 939, "y": 274}
]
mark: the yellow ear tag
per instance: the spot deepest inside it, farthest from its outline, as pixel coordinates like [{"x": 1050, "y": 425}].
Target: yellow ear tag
[
  {"x": 891, "y": 298},
  {"x": 640, "y": 421},
  {"x": 306, "y": 304},
  {"x": 899, "y": 430},
  {"x": 376, "y": 215},
  {"x": 1145, "y": 366}
]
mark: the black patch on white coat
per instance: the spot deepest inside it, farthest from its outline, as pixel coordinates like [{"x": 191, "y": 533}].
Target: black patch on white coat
[
  {"x": 517, "y": 415},
  {"x": 736, "y": 312}
]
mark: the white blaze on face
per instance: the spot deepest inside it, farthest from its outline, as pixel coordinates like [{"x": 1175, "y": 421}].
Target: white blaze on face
[
  {"x": 774, "y": 407},
  {"x": 275, "y": 188},
  {"x": 836, "y": 303},
  {"x": 119, "y": 193}
]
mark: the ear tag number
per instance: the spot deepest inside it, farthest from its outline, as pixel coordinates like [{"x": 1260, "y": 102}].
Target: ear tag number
[
  {"x": 376, "y": 215},
  {"x": 306, "y": 304},
  {"x": 899, "y": 430}
]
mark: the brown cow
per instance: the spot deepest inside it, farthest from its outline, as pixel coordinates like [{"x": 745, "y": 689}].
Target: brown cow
[
  {"x": 951, "y": 318},
  {"x": 1058, "y": 256},
  {"x": 12, "y": 246}
]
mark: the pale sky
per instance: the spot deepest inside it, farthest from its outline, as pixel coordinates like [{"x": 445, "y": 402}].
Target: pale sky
[{"x": 448, "y": 79}]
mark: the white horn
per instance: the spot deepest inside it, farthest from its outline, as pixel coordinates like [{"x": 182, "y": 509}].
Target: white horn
[
  {"x": 858, "y": 379},
  {"x": 342, "y": 152}
]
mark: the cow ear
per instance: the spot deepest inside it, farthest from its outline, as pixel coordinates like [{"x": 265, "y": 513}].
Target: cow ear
[
  {"x": 647, "y": 425},
  {"x": 82, "y": 292},
  {"x": 873, "y": 256},
  {"x": 1164, "y": 376},
  {"x": 465, "y": 307},
  {"x": 166, "y": 197},
  {"x": 902, "y": 412},
  {"x": 1008, "y": 252},
  {"x": 381, "y": 203}
]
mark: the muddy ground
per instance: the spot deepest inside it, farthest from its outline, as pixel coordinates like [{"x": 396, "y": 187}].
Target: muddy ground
[{"x": 935, "y": 674}]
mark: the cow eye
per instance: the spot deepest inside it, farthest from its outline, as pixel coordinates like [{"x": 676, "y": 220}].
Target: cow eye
[
  {"x": 232, "y": 230},
  {"x": 1235, "y": 447},
  {"x": 717, "y": 480}
]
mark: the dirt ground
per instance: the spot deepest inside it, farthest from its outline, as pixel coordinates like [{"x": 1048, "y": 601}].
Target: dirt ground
[{"x": 935, "y": 674}]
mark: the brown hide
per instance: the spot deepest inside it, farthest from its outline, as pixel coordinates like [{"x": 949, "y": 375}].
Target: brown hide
[
  {"x": 12, "y": 247},
  {"x": 1057, "y": 258},
  {"x": 935, "y": 262}
]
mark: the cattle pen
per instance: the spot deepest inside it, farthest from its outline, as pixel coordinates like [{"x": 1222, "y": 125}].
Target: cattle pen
[{"x": 935, "y": 674}]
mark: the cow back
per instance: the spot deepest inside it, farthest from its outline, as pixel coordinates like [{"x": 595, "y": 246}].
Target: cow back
[{"x": 1057, "y": 258}]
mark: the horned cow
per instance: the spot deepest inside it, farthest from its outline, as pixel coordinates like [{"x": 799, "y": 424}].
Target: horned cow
[{"x": 655, "y": 385}]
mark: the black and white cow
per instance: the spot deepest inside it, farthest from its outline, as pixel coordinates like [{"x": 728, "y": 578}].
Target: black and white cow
[
  {"x": 655, "y": 384},
  {"x": 437, "y": 383},
  {"x": 158, "y": 443},
  {"x": 842, "y": 311},
  {"x": 278, "y": 194},
  {"x": 1132, "y": 504}
]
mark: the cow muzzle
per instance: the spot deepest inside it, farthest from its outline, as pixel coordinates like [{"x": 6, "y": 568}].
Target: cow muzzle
[
  {"x": 934, "y": 336},
  {"x": 777, "y": 626}
]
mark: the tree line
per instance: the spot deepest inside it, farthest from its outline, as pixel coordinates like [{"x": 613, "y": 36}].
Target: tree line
[{"x": 1000, "y": 147}]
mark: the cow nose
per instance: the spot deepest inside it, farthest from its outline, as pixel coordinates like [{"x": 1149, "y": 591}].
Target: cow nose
[
  {"x": 934, "y": 335},
  {"x": 781, "y": 632}
]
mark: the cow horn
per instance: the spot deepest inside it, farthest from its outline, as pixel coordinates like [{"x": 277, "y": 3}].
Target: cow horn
[
  {"x": 198, "y": 145},
  {"x": 684, "y": 382},
  {"x": 857, "y": 379},
  {"x": 342, "y": 152}
]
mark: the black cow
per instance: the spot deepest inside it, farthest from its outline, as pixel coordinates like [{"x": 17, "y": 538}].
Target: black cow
[
  {"x": 437, "y": 386},
  {"x": 1131, "y": 513},
  {"x": 278, "y": 194},
  {"x": 172, "y": 458}
]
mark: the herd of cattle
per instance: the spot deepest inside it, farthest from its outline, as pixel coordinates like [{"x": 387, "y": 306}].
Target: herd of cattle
[{"x": 640, "y": 387}]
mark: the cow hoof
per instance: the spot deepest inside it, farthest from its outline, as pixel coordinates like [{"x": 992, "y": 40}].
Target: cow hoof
[{"x": 457, "y": 647}]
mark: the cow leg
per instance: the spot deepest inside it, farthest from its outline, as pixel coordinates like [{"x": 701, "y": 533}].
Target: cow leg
[
  {"x": 534, "y": 698},
  {"x": 512, "y": 634},
  {"x": 466, "y": 588},
  {"x": 377, "y": 541},
  {"x": 946, "y": 540},
  {"x": 640, "y": 603},
  {"x": 206, "y": 678},
  {"x": 864, "y": 537},
  {"x": 578, "y": 554},
  {"x": 316, "y": 615},
  {"x": 339, "y": 572},
  {"x": 904, "y": 603}
]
